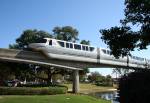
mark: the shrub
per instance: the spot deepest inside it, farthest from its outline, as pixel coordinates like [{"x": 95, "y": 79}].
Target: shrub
[
  {"x": 32, "y": 91},
  {"x": 135, "y": 87},
  {"x": 33, "y": 85}
]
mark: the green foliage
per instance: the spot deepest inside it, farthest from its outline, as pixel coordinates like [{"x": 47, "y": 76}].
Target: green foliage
[
  {"x": 121, "y": 40},
  {"x": 32, "y": 91},
  {"x": 84, "y": 71},
  {"x": 121, "y": 71},
  {"x": 100, "y": 80},
  {"x": 137, "y": 14},
  {"x": 33, "y": 85},
  {"x": 66, "y": 33},
  {"x": 135, "y": 87},
  {"x": 105, "y": 81},
  {"x": 29, "y": 36},
  {"x": 95, "y": 76},
  {"x": 10, "y": 71},
  {"x": 86, "y": 42}
]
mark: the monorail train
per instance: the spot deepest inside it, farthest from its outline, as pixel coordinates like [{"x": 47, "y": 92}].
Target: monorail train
[{"x": 58, "y": 49}]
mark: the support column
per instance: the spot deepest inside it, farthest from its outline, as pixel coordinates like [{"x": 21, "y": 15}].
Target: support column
[{"x": 75, "y": 87}]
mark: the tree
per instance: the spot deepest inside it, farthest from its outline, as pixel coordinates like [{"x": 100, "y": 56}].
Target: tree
[
  {"x": 86, "y": 42},
  {"x": 124, "y": 39},
  {"x": 5, "y": 73},
  {"x": 29, "y": 36},
  {"x": 10, "y": 71},
  {"x": 95, "y": 76},
  {"x": 137, "y": 14},
  {"x": 66, "y": 33},
  {"x": 134, "y": 87},
  {"x": 121, "y": 71},
  {"x": 100, "y": 80}
]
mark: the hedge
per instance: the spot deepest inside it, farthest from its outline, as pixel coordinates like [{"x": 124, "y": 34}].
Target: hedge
[
  {"x": 32, "y": 91},
  {"x": 135, "y": 87}
]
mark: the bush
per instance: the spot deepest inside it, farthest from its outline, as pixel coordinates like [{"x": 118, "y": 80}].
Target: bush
[
  {"x": 33, "y": 85},
  {"x": 32, "y": 91},
  {"x": 135, "y": 87}
]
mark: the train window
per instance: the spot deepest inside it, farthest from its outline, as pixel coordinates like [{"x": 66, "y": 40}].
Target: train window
[
  {"x": 133, "y": 57},
  {"x": 61, "y": 43},
  {"x": 50, "y": 42},
  {"x": 87, "y": 48},
  {"x": 142, "y": 59},
  {"x": 43, "y": 41},
  {"x": 91, "y": 48},
  {"x": 76, "y": 46},
  {"x": 104, "y": 51},
  {"x": 71, "y": 45},
  {"x": 108, "y": 52},
  {"x": 83, "y": 48},
  {"x": 137, "y": 58},
  {"x": 67, "y": 45}
]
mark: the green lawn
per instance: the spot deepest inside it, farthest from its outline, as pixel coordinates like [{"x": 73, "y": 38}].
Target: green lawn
[
  {"x": 90, "y": 88},
  {"x": 68, "y": 98}
]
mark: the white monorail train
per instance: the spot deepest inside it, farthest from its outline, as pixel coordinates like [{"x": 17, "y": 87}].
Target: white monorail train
[{"x": 58, "y": 49}]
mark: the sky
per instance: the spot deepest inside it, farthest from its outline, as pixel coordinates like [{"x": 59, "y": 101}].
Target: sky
[{"x": 87, "y": 16}]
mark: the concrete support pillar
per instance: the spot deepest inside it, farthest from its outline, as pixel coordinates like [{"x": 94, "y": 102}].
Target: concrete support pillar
[{"x": 75, "y": 87}]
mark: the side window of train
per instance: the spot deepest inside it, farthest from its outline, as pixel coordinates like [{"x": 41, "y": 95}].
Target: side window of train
[
  {"x": 61, "y": 43},
  {"x": 91, "y": 48},
  {"x": 71, "y": 45},
  {"x": 104, "y": 51},
  {"x": 83, "y": 47},
  {"x": 67, "y": 45},
  {"x": 87, "y": 48},
  {"x": 108, "y": 52},
  {"x": 76, "y": 46},
  {"x": 50, "y": 42}
]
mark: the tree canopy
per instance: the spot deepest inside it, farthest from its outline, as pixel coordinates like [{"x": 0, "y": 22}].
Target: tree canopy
[
  {"x": 66, "y": 33},
  {"x": 29, "y": 36},
  {"x": 86, "y": 42},
  {"x": 124, "y": 39}
]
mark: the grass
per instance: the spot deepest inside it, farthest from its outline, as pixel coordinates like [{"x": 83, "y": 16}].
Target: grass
[
  {"x": 90, "y": 88},
  {"x": 67, "y": 98}
]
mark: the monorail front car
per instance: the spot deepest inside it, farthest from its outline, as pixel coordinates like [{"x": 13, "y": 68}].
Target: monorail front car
[{"x": 58, "y": 49}]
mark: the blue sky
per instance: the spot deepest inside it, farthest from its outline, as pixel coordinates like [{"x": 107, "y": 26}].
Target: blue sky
[{"x": 87, "y": 16}]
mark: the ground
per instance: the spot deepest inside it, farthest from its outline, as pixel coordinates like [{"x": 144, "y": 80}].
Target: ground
[
  {"x": 87, "y": 88},
  {"x": 67, "y": 98}
]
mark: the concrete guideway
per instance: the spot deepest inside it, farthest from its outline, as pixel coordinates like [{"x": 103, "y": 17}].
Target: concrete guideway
[{"x": 38, "y": 58}]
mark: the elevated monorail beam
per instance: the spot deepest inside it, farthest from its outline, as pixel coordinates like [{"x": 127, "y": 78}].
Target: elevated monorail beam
[
  {"x": 21, "y": 56},
  {"x": 29, "y": 57}
]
